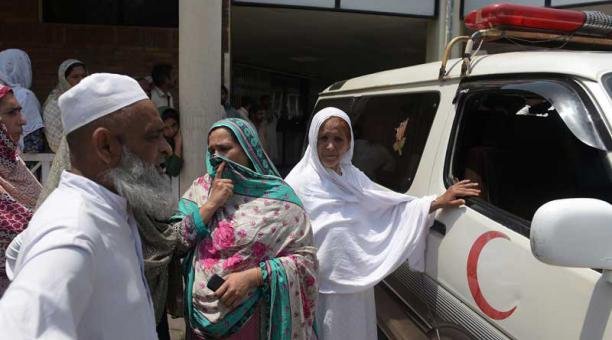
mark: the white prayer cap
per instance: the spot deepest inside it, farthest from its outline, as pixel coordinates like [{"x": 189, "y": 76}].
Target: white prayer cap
[{"x": 95, "y": 97}]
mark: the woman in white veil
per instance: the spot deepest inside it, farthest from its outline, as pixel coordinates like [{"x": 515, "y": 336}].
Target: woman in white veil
[
  {"x": 16, "y": 72},
  {"x": 363, "y": 231}
]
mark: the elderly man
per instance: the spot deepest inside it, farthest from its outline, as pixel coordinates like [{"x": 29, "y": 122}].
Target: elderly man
[{"x": 79, "y": 273}]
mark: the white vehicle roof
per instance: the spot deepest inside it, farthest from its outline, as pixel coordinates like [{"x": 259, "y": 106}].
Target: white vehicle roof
[{"x": 589, "y": 65}]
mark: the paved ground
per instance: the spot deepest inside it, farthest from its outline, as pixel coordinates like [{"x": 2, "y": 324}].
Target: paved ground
[
  {"x": 393, "y": 321},
  {"x": 177, "y": 328}
]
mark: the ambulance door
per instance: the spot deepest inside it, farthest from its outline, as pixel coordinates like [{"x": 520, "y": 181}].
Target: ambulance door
[{"x": 526, "y": 142}]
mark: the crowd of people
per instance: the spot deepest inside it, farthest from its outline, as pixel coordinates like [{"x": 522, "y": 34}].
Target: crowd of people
[
  {"x": 105, "y": 251},
  {"x": 43, "y": 129},
  {"x": 261, "y": 115}
]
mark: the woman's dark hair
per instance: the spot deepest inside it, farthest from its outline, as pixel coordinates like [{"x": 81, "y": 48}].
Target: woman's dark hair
[
  {"x": 161, "y": 73},
  {"x": 71, "y": 67},
  {"x": 170, "y": 113}
]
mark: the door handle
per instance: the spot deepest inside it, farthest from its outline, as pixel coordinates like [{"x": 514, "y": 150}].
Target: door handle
[{"x": 439, "y": 227}]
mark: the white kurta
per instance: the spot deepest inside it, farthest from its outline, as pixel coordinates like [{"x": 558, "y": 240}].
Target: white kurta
[
  {"x": 79, "y": 271},
  {"x": 347, "y": 316},
  {"x": 161, "y": 98},
  {"x": 362, "y": 231}
]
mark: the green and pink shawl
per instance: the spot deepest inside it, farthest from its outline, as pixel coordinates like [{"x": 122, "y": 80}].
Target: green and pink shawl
[{"x": 262, "y": 225}]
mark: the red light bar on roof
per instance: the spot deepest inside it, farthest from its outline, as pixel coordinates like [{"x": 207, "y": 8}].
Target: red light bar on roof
[{"x": 521, "y": 17}]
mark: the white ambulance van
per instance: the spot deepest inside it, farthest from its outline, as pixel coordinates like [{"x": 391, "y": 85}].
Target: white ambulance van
[{"x": 531, "y": 257}]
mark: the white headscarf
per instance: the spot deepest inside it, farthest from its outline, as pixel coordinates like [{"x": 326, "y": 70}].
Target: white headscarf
[
  {"x": 363, "y": 231},
  {"x": 51, "y": 113},
  {"x": 16, "y": 72}
]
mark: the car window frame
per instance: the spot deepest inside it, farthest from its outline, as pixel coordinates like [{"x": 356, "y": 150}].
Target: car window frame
[{"x": 465, "y": 91}]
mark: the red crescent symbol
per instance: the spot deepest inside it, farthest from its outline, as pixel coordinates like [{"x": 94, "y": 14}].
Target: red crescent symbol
[{"x": 472, "y": 276}]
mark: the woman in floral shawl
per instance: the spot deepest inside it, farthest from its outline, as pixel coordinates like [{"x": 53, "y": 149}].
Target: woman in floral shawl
[
  {"x": 242, "y": 222},
  {"x": 16, "y": 72},
  {"x": 19, "y": 189}
]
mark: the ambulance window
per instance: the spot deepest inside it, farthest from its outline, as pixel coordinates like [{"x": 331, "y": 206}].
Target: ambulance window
[
  {"x": 390, "y": 135},
  {"x": 518, "y": 145},
  {"x": 345, "y": 104}
]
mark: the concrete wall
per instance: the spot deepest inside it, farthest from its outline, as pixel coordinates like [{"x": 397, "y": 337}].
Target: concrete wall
[
  {"x": 119, "y": 49},
  {"x": 200, "y": 78},
  {"x": 443, "y": 29}
]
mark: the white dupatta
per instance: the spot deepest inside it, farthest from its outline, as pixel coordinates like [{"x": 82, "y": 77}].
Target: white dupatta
[
  {"x": 16, "y": 72},
  {"x": 363, "y": 231}
]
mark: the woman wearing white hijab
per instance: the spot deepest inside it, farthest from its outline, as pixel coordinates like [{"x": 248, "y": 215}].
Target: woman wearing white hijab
[
  {"x": 16, "y": 72},
  {"x": 363, "y": 231},
  {"x": 70, "y": 73}
]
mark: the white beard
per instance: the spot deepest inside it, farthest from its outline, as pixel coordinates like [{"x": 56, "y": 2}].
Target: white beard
[{"x": 143, "y": 186}]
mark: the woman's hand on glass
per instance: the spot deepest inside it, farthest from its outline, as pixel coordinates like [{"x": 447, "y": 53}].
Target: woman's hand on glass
[
  {"x": 237, "y": 285},
  {"x": 453, "y": 197}
]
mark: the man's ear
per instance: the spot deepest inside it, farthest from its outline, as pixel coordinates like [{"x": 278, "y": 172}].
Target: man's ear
[{"x": 107, "y": 146}]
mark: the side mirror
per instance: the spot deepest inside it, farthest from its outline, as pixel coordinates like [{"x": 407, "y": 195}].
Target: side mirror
[{"x": 574, "y": 232}]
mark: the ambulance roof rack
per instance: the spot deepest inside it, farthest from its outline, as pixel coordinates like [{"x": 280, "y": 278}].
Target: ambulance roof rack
[{"x": 498, "y": 21}]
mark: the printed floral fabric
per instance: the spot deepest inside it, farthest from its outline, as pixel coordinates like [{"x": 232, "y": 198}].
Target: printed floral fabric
[
  {"x": 14, "y": 218},
  {"x": 19, "y": 190},
  {"x": 15, "y": 178},
  {"x": 262, "y": 225},
  {"x": 246, "y": 232}
]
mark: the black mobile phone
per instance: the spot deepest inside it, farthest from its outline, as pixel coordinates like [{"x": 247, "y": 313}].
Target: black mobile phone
[{"x": 215, "y": 282}]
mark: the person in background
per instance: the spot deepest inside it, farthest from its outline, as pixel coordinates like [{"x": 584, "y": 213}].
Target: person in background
[
  {"x": 16, "y": 72},
  {"x": 258, "y": 118},
  {"x": 370, "y": 156},
  {"x": 163, "y": 81},
  {"x": 79, "y": 271},
  {"x": 172, "y": 133},
  {"x": 363, "y": 231},
  {"x": 230, "y": 112},
  {"x": 70, "y": 73},
  {"x": 246, "y": 106},
  {"x": 242, "y": 222},
  {"x": 225, "y": 98},
  {"x": 18, "y": 187},
  {"x": 270, "y": 122},
  {"x": 146, "y": 83},
  {"x": 221, "y": 113}
]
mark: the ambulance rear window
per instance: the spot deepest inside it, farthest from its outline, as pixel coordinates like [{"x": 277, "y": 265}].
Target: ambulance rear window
[{"x": 519, "y": 144}]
